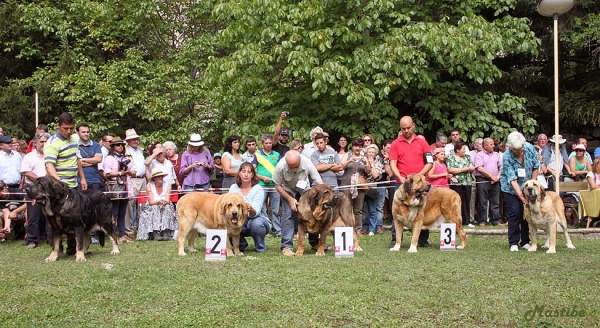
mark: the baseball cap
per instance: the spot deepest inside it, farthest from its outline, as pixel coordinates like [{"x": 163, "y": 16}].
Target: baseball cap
[{"x": 284, "y": 132}]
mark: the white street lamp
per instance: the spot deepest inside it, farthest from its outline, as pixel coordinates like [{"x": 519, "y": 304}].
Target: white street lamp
[{"x": 554, "y": 8}]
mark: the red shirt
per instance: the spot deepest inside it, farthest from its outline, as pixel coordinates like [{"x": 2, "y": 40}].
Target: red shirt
[{"x": 410, "y": 156}]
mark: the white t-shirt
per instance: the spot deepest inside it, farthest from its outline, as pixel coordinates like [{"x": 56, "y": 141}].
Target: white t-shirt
[{"x": 593, "y": 175}]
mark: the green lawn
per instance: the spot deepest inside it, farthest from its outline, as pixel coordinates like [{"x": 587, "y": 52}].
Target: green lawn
[{"x": 149, "y": 285}]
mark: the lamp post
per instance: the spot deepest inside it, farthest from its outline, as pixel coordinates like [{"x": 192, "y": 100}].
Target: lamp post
[{"x": 554, "y": 8}]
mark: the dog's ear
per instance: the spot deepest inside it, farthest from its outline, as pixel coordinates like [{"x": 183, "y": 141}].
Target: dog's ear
[
  {"x": 223, "y": 208},
  {"x": 542, "y": 192},
  {"x": 314, "y": 197},
  {"x": 407, "y": 184}
]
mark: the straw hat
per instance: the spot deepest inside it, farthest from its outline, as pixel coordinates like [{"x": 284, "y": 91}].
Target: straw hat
[
  {"x": 131, "y": 134},
  {"x": 557, "y": 139},
  {"x": 195, "y": 140},
  {"x": 157, "y": 172}
]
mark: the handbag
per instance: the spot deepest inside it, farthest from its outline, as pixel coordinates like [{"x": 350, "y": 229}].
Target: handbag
[
  {"x": 361, "y": 181},
  {"x": 115, "y": 190}
]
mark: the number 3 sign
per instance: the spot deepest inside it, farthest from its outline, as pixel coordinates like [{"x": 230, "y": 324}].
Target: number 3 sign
[
  {"x": 216, "y": 245},
  {"x": 448, "y": 237}
]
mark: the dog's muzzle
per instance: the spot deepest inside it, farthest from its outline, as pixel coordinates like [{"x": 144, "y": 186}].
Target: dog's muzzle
[
  {"x": 331, "y": 204},
  {"x": 423, "y": 193}
]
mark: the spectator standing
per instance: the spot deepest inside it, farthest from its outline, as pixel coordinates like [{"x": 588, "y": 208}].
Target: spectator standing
[
  {"x": 438, "y": 175},
  {"x": 461, "y": 167},
  {"x": 440, "y": 141},
  {"x": 250, "y": 154},
  {"x": 89, "y": 155},
  {"x": 173, "y": 156},
  {"x": 356, "y": 169},
  {"x": 267, "y": 160},
  {"x": 454, "y": 138},
  {"x": 159, "y": 160},
  {"x": 310, "y": 147},
  {"x": 520, "y": 163},
  {"x": 487, "y": 177},
  {"x": 216, "y": 179},
  {"x": 32, "y": 168},
  {"x": 232, "y": 160},
  {"x": 196, "y": 164},
  {"x": 327, "y": 161},
  {"x": 281, "y": 135},
  {"x": 375, "y": 196},
  {"x": 409, "y": 154},
  {"x": 41, "y": 128},
  {"x": 118, "y": 170},
  {"x": 135, "y": 153},
  {"x": 10, "y": 166}
]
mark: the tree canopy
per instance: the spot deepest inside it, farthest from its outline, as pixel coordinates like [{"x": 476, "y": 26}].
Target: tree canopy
[{"x": 172, "y": 68}]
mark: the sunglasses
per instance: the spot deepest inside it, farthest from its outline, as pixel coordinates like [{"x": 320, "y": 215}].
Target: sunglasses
[
  {"x": 367, "y": 139},
  {"x": 579, "y": 151}
]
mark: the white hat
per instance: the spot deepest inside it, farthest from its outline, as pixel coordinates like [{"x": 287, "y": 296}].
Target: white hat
[
  {"x": 558, "y": 139},
  {"x": 580, "y": 147},
  {"x": 131, "y": 134},
  {"x": 195, "y": 140}
]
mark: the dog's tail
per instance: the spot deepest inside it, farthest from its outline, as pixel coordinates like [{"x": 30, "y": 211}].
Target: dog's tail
[{"x": 101, "y": 237}]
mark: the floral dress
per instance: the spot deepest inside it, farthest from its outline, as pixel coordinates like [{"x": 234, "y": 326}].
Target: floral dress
[
  {"x": 464, "y": 178},
  {"x": 157, "y": 218}
]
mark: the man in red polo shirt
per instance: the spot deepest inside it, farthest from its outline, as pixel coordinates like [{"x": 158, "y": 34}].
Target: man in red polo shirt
[{"x": 409, "y": 154}]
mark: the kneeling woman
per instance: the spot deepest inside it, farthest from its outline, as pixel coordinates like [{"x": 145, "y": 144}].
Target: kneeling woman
[
  {"x": 157, "y": 220},
  {"x": 258, "y": 225}
]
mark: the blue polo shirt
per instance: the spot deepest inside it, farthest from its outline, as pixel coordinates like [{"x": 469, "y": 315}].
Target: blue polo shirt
[
  {"x": 511, "y": 165},
  {"x": 89, "y": 151}
]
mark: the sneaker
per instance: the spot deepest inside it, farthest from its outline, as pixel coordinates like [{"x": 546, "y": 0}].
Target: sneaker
[
  {"x": 95, "y": 241},
  {"x": 526, "y": 246},
  {"x": 482, "y": 224},
  {"x": 470, "y": 225},
  {"x": 425, "y": 245},
  {"x": 364, "y": 232},
  {"x": 514, "y": 248},
  {"x": 371, "y": 234},
  {"x": 359, "y": 232},
  {"x": 379, "y": 231},
  {"x": 287, "y": 252}
]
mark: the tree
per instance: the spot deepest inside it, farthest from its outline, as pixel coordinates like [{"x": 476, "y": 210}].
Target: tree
[{"x": 356, "y": 66}]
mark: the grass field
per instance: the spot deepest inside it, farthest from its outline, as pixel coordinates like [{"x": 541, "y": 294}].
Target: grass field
[{"x": 149, "y": 285}]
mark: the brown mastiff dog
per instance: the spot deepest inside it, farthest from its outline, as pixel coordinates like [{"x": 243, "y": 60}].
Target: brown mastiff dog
[
  {"x": 417, "y": 207},
  {"x": 198, "y": 211},
  {"x": 544, "y": 210},
  {"x": 320, "y": 210}
]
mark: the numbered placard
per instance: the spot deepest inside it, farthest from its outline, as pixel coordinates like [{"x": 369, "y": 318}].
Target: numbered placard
[
  {"x": 216, "y": 245},
  {"x": 448, "y": 237},
  {"x": 344, "y": 241}
]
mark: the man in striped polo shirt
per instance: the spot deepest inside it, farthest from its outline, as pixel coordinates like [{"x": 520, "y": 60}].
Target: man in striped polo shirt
[{"x": 60, "y": 158}]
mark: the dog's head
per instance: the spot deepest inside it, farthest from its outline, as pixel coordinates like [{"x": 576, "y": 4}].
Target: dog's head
[
  {"x": 234, "y": 209},
  {"x": 320, "y": 199},
  {"x": 414, "y": 189},
  {"x": 45, "y": 189},
  {"x": 532, "y": 189}
]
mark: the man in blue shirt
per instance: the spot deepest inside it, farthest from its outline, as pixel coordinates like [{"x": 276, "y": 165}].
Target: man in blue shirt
[{"x": 89, "y": 155}]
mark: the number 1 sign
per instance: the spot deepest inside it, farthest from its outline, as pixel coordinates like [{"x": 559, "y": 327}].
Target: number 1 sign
[
  {"x": 344, "y": 241},
  {"x": 216, "y": 245},
  {"x": 448, "y": 237}
]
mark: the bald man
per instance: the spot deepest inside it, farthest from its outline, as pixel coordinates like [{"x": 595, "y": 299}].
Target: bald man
[
  {"x": 291, "y": 179},
  {"x": 409, "y": 154}
]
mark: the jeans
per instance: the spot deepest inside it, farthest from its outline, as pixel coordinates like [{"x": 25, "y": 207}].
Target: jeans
[
  {"x": 197, "y": 186},
  {"x": 257, "y": 228},
  {"x": 288, "y": 225},
  {"x": 275, "y": 202},
  {"x": 357, "y": 206},
  {"x": 488, "y": 193},
  {"x": 119, "y": 207},
  {"x": 373, "y": 211},
  {"x": 518, "y": 229}
]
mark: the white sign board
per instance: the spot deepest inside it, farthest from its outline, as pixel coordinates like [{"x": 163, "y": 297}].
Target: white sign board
[
  {"x": 448, "y": 237},
  {"x": 344, "y": 241},
  {"x": 216, "y": 245}
]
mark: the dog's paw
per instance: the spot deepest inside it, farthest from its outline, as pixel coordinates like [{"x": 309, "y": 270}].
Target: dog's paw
[
  {"x": 571, "y": 246},
  {"x": 80, "y": 259},
  {"x": 459, "y": 247},
  {"x": 551, "y": 251},
  {"x": 359, "y": 249},
  {"x": 532, "y": 249},
  {"x": 239, "y": 254},
  {"x": 412, "y": 249},
  {"x": 318, "y": 254},
  {"x": 546, "y": 245},
  {"x": 182, "y": 254},
  {"x": 192, "y": 250},
  {"x": 115, "y": 252},
  {"x": 395, "y": 249},
  {"x": 51, "y": 259}
]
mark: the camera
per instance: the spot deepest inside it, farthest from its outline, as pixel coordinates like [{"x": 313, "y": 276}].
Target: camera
[
  {"x": 123, "y": 164},
  {"x": 287, "y": 114}
]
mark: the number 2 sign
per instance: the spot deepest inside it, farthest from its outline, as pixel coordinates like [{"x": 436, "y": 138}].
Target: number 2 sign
[{"x": 216, "y": 245}]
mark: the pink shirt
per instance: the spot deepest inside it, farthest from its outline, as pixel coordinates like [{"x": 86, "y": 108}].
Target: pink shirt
[
  {"x": 439, "y": 182},
  {"x": 33, "y": 162},
  {"x": 491, "y": 162},
  {"x": 111, "y": 164}
]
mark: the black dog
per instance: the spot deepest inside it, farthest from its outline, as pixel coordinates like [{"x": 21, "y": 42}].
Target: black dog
[{"x": 68, "y": 210}]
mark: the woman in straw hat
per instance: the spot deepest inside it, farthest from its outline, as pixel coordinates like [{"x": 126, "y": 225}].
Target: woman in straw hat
[{"x": 157, "y": 220}]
